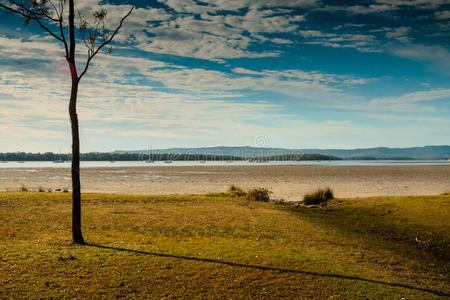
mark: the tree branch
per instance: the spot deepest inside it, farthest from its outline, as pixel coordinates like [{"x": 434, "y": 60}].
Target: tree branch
[
  {"x": 14, "y": 10},
  {"x": 26, "y": 13},
  {"x": 83, "y": 29},
  {"x": 56, "y": 10},
  {"x": 93, "y": 53},
  {"x": 61, "y": 30},
  {"x": 48, "y": 30},
  {"x": 33, "y": 13}
]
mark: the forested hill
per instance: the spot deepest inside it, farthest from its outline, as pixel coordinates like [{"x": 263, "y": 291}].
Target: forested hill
[
  {"x": 426, "y": 152},
  {"x": 244, "y": 153}
]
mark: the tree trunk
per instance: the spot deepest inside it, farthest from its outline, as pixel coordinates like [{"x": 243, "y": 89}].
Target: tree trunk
[{"x": 76, "y": 185}]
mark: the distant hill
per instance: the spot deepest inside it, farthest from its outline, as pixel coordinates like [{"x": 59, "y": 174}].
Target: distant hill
[
  {"x": 426, "y": 152},
  {"x": 241, "y": 153}
]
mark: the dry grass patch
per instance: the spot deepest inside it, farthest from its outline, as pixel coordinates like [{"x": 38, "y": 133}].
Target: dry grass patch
[{"x": 221, "y": 245}]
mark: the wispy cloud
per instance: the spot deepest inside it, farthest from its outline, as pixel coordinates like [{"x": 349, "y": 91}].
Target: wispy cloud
[
  {"x": 437, "y": 55},
  {"x": 421, "y": 96},
  {"x": 379, "y": 6}
]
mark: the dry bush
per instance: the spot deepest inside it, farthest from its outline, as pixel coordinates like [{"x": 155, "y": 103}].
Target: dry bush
[{"x": 259, "y": 194}]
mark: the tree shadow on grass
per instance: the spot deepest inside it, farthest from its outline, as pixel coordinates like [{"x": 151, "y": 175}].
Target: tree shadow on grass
[
  {"x": 378, "y": 228},
  {"x": 265, "y": 268}
]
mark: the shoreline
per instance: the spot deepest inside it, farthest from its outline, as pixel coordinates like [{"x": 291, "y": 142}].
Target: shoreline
[
  {"x": 172, "y": 164},
  {"x": 288, "y": 182}
]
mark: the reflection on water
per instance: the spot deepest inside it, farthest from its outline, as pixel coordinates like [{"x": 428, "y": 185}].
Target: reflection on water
[{"x": 108, "y": 164}]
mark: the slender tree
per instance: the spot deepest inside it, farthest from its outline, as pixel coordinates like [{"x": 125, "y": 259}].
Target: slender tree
[{"x": 52, "y": 16}]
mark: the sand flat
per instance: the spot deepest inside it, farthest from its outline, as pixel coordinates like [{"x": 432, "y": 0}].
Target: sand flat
[{"x": 287, "y": 182}]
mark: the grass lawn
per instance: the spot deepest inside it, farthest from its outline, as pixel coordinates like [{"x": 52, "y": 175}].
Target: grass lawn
[{"x": 223, "y": 246}]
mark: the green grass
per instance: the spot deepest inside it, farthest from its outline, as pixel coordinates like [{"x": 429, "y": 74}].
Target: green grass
[{"x": 224, "y": 246}]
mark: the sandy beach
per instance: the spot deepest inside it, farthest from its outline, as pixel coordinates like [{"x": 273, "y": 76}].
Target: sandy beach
[{"x": 287, "y": 182}]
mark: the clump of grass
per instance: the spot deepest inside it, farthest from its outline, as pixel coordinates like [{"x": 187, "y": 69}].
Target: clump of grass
[
  {"x": 259, "y": 194},
  {"x": 65, "y": 190},
  {"x": 41, "y": 189},
  {"x": 235, "y": 190},
  {"x": 23, "y": 188},
  {"x": 321, "y": 196}
]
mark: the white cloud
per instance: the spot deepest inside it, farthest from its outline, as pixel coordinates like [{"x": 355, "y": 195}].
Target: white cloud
[
  {"x": 38, "y": 100},
  {"x": 410, "y": 103},
  {"x": 295, "y": 83},
  {"x": 189, "y": 6},
  {"x": 360, "y": 42},
  {"x": 380, "y": 6},
  {"x": 415, "y": 97},
  {"x": 205, "y": 103},
  {"x": 399, "y": 117},
  {"x": 439, "y": 56},
  {"x": 281, "y": 41},
  {"x": 444, "y": 15},
  {"x": 219, "y": 36},
  {"x": 212, "y": 36},
  {"x": 399, "y": 33},
  {"x": 193, "y": 80}
]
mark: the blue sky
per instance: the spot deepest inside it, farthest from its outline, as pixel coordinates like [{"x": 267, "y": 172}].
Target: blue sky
[{"x": 186, "y": 73}]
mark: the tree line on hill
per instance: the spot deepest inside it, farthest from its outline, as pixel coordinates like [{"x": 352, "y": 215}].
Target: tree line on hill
[{"x": 99, "y": 156}]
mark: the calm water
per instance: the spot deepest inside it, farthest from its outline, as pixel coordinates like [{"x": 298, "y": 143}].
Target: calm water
[{"x": 106, "y": 164}]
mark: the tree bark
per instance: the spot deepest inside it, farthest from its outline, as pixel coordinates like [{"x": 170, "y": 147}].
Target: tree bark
[{"x": 76, "y": 185}]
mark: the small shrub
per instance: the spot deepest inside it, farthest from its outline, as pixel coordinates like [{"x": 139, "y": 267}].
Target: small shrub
[
  {"x": 259, "y": 194},
  {"x": 320, "y": 196},
  {"x": 23, "y": 188},
  {"x": 65, "y": 190},
  {"x": 41, "y": 189}
]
